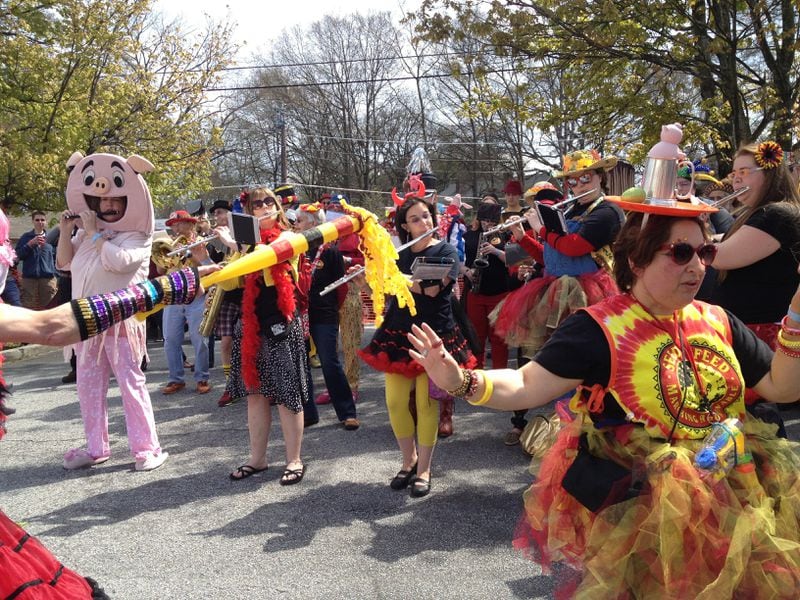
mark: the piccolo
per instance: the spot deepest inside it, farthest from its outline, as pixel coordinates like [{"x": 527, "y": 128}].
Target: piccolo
[
  {"x": 107, "y": 213},
  {"x": 729, "y": 197},
  {"x": 360, "y": 269},
  {"x": 194, "y": 244}
]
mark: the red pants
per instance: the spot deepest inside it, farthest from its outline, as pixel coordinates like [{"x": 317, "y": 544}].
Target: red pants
[{"x": 478, "y": 309}]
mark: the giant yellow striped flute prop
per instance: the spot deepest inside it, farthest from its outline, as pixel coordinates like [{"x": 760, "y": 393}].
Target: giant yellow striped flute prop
[
  {"x": 290, "y": 245},
  {"x": 382, "y": 273}
]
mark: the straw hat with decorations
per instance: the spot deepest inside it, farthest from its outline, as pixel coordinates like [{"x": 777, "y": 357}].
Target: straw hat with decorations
[{"x": 585, "y": 160}]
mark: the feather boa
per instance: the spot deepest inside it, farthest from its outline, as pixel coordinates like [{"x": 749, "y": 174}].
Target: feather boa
[{"x": 251, "y": 329}]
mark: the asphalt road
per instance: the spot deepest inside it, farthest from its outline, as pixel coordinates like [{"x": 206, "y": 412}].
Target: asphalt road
[{"x": 187, "y": 531}]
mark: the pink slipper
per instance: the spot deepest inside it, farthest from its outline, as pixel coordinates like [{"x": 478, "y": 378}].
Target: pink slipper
[
  {"x": 323, "y": 398},
  {"x": 78, "y": 458}
]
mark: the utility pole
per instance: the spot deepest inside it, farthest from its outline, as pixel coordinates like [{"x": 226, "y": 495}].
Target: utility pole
[{"x": 280, "y": 122}]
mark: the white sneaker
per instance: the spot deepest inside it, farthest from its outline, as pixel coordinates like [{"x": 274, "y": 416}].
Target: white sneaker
[{"x": 153, "y": 461}]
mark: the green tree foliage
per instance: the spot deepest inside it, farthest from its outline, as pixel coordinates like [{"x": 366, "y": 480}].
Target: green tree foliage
[
  {"x": 727, "y": 70},
  {"x": 103, "y": 76}
]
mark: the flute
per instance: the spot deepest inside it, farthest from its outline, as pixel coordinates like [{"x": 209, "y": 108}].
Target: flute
[
  {"x": 107, "y": 213},
  {"x": 510, "y": 223},
  {"x": 728, "y": 198},
  {"x": 204, "y": 240},
  {"x": 573, "y": 199},
  {"x": 360, "y": 269}
]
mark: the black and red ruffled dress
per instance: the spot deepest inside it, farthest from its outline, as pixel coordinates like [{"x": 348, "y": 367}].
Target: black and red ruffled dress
[{"x": 388, "y": 350}]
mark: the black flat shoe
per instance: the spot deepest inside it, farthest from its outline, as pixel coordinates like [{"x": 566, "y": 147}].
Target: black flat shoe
[
  {"x": 420, "y": 487},
  {"x": 403, "y": 478}
]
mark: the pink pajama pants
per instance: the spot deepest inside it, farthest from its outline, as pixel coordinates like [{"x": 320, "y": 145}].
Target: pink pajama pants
[{"x": 92, "y": 385}]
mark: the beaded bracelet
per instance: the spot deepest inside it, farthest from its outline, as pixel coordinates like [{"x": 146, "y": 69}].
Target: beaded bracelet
[
  {"x": 466, "y": 381},
  {"x": 99, "y": 312},
  {"x": 473, "y": 384},
  {"x": 789, "y": 353},
  {"x": 788, "y": 344},
  {"x": 488, "y": 388},
  {"x": 785, "y": 326}
]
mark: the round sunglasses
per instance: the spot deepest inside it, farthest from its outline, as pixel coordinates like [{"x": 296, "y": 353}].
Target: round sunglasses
[
  {"x": 682, "y": 252},
  {"x": 573, "y": 181}
]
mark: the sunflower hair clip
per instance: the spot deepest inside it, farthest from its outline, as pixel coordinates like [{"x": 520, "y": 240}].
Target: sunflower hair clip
[{"x": 769, "y": 155}]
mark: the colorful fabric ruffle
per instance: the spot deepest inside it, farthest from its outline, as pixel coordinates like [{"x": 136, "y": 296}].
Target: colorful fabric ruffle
[
  {"x": 680, "y": 537},
  {"x": 529, "y": 315},
  {"x": 388, "y": 351}
]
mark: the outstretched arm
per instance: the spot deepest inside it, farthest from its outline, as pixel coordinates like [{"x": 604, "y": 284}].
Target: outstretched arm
[
  {"x": 501, "y": 389},
  {"x": 87, "y": 317},
  {"x": 53, "y": 327}
]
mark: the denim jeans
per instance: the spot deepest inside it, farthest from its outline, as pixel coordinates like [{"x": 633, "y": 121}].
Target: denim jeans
[
  {"x": 325, "y": 337},
  {"x": 174, "y": 317},
  {"x": 310, "y": 412}
]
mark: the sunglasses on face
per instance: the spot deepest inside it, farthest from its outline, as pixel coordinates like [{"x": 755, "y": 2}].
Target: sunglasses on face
[
  {"x": 682, "y": 252},
  {"x": 573, "y": 181},
  {"x": 743, "y": 172},
  {"x": 261, "y": 203}
]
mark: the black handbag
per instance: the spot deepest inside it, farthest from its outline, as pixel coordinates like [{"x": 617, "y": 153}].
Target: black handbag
[{"x": 598, "y": 482}]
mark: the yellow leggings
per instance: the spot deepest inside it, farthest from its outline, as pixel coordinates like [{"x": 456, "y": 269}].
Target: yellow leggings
[{"x": 397, "y": 391}]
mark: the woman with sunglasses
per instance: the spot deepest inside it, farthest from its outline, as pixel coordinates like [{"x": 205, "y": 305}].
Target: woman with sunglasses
[
  {"x": 268, "y": 359},
  {"x": 576, "y": 263},
  {"x": 757, "y": 259},
  {"x": 618, "y": 500}
]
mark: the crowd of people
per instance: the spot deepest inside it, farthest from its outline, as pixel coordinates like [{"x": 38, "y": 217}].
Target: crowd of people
[{"x": 591, "y": 296}]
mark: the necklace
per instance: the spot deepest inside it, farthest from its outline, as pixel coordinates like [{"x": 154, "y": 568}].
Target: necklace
[{"x": 687, "y": 369}]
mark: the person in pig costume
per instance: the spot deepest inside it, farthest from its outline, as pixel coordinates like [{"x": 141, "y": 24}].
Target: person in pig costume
[{"x": 109, "y": 202}]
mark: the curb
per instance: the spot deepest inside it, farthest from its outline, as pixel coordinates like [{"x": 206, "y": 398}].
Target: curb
[{"x": 27, "y": 351}]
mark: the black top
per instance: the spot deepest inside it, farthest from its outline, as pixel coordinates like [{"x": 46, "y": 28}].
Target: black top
[
  {"x": 601, "y": 226},
  {"x": 495, "y": 277},
  {"x": 761, "y": 292},
  {"x": 434, "y": 310},
  {"x": 578, "y": 349},
  {"x": 324, "y": 310}
]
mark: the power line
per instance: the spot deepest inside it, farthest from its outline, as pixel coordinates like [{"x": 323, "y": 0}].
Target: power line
[
  {"x": 336, "y": 62},
  {"x": 345, "y": 83},
  {"x": 324, "y": 187}
]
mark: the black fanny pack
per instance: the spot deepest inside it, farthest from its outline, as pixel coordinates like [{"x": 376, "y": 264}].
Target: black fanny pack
[{"x": 598, "y": 482}]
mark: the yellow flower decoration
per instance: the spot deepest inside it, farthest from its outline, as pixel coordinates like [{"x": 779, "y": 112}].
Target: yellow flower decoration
[
  {"x": 380, "y": 262},
  {"x": 769, "y": 155},
  {"x": 580, "y": 160}
]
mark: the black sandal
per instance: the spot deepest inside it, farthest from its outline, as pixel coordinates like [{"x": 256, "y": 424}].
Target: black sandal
[
  {"x": 420, "y": 487},
  {"x": 403, "y": 478},
  {"x": 245, "y": 471},
  {"x": 292, "y": 476}
]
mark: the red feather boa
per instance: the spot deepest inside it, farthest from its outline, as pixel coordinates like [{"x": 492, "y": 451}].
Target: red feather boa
[{"x": 251, "y": 339}]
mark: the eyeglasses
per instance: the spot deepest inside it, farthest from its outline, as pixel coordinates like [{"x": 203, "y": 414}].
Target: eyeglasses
[
  {"x": 573, "y": 181},
  {"x": 743, "y": 172},
  {"x": 261, "y": 203},
  {"x": 682, "y": 252}
]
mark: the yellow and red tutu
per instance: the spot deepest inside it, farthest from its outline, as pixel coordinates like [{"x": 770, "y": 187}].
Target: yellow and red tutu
[
  {"x": 680, "y": 537},
  {"x": 528, "y": 316}
]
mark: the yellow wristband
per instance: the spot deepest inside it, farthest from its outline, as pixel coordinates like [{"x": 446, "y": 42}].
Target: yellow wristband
[
  {"x": 791, "y": 345},
  {"x": 488, "y": 388}
]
